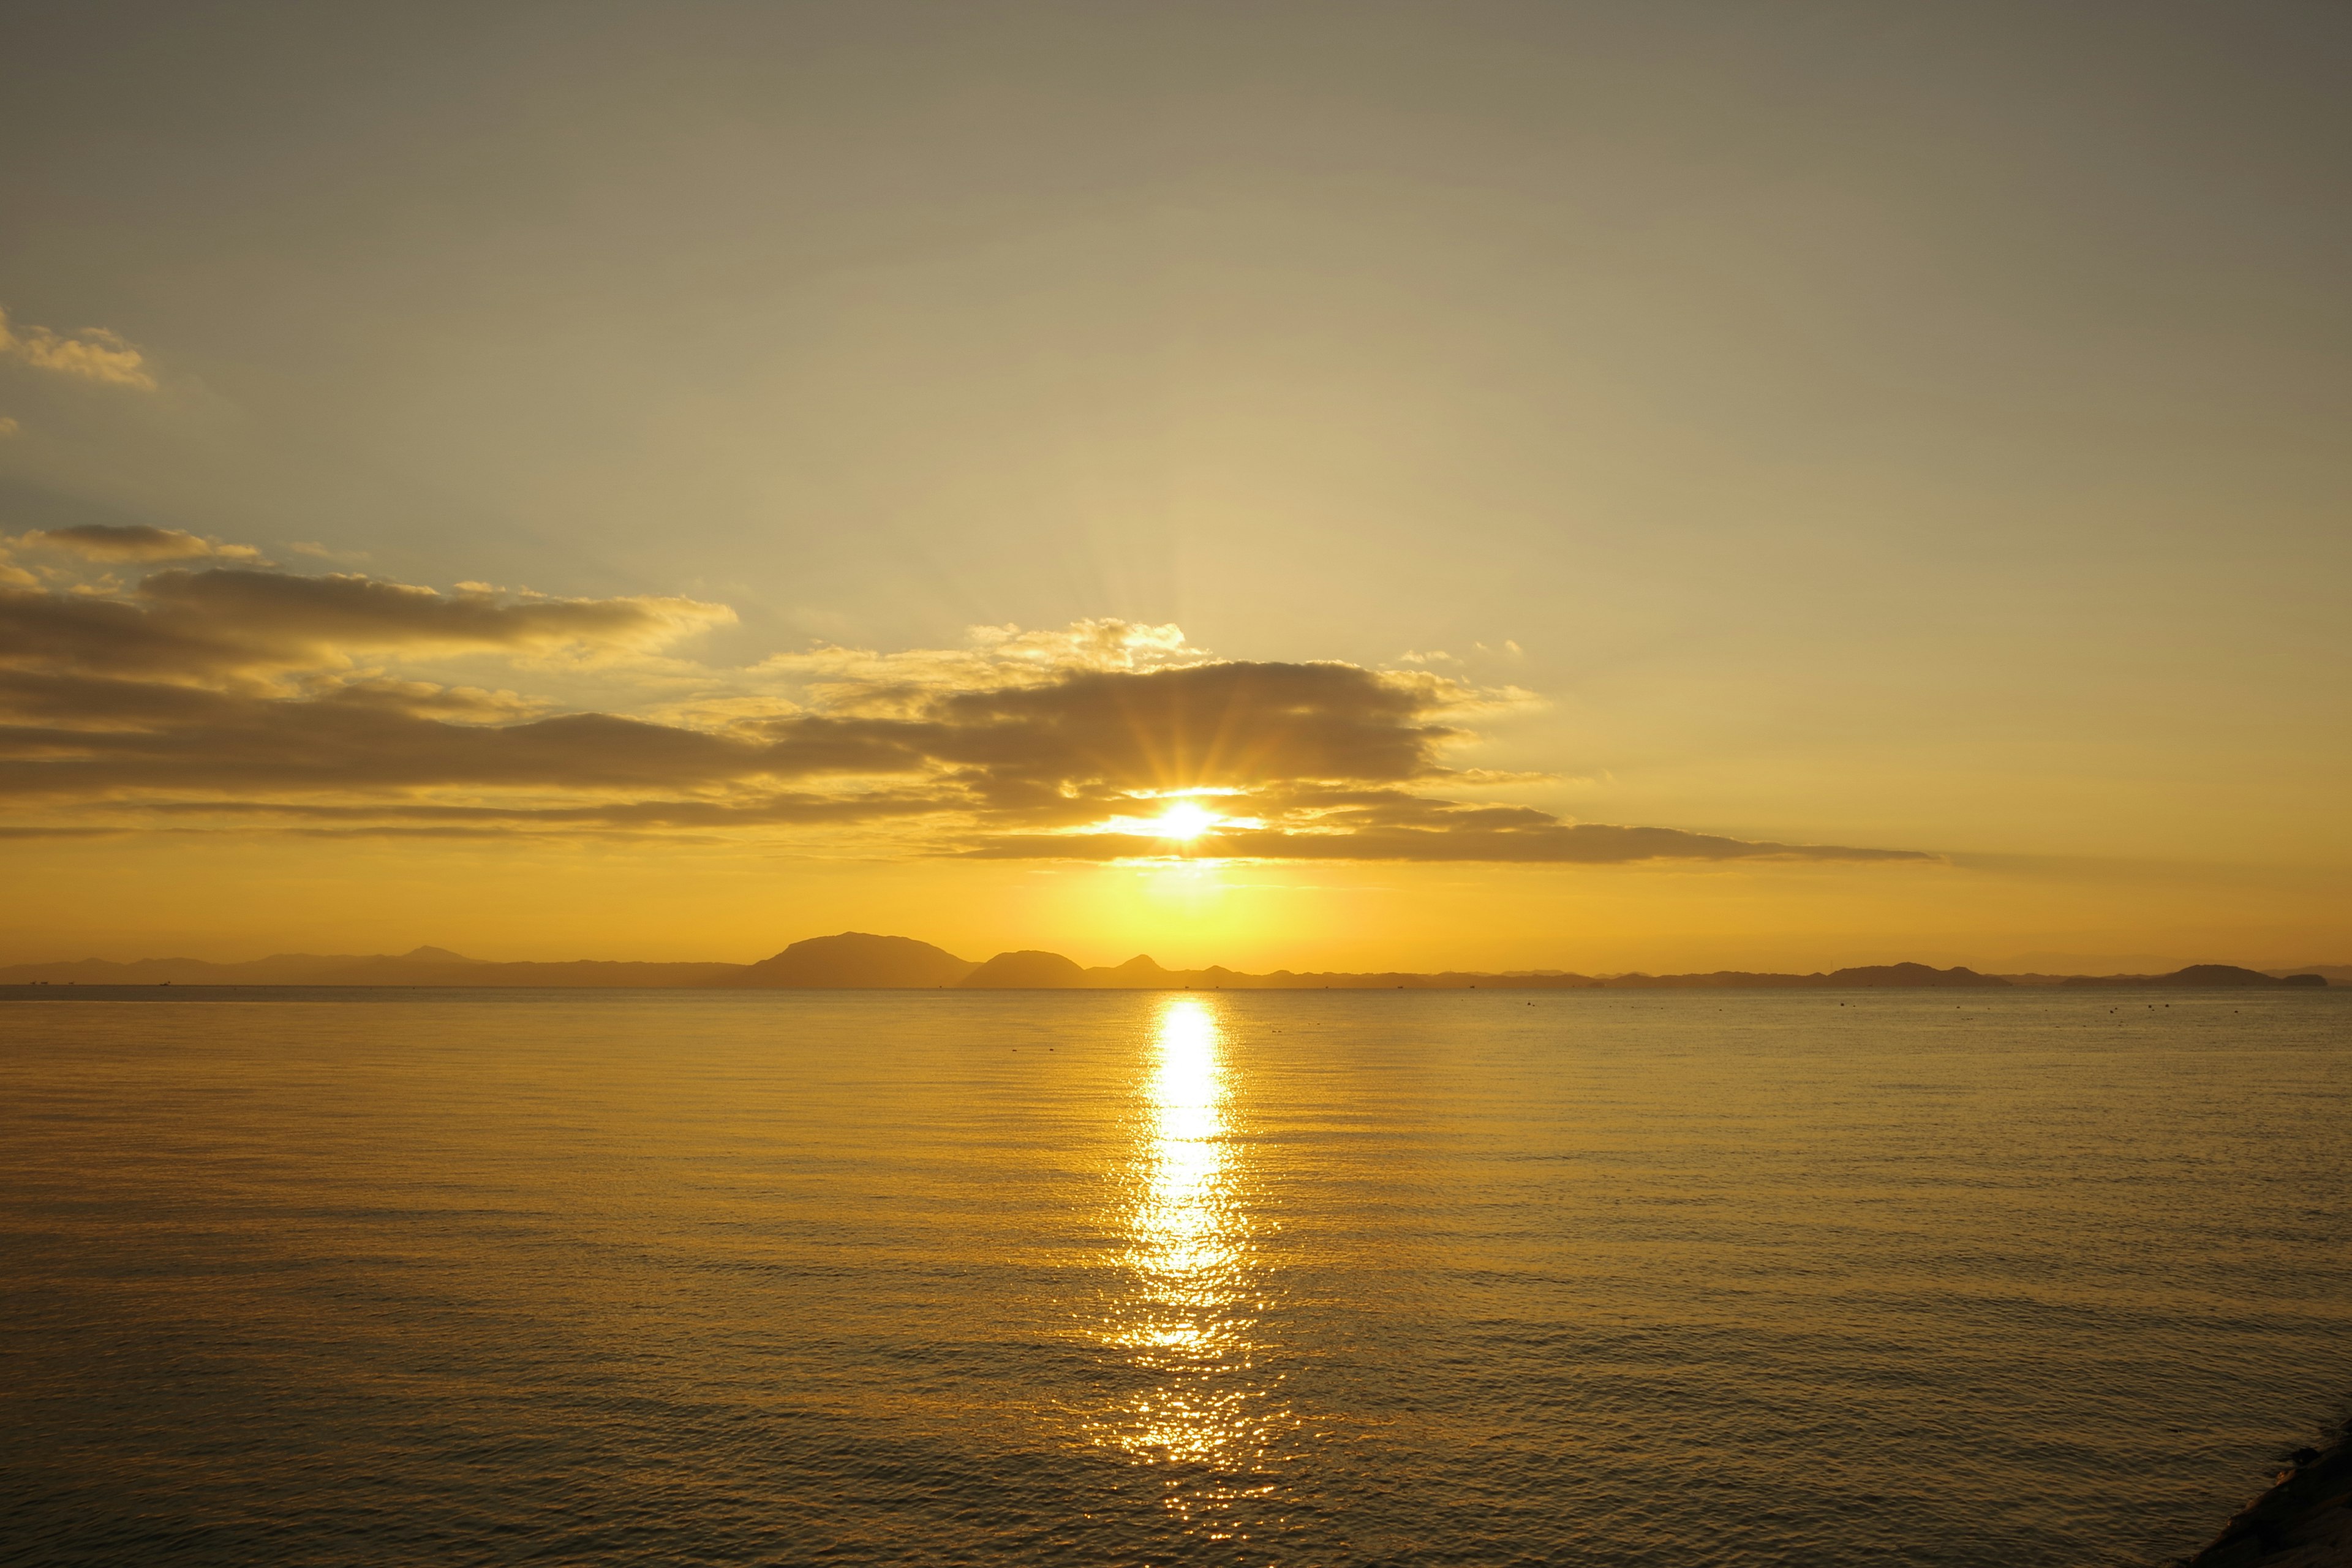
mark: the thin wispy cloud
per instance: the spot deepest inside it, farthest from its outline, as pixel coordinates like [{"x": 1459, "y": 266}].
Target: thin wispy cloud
[{"x": 92, "y": 353}]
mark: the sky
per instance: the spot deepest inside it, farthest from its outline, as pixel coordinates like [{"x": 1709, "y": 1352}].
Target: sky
[{"x": 1599, "y": 487}]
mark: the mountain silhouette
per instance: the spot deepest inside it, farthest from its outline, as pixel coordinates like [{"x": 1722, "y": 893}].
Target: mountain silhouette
[
  {"x": 421, "y": 966},
  {"x": 1025, "y": 971},
  {"x": 855, "y": 961},
  {"x": 1911, "y": 975},
  {"x": 859, "y": 960},
  {"x": 2207, "y": 977}
]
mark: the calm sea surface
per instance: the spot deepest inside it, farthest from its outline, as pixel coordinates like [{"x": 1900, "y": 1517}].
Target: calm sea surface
[{"x": 1124, "y": 1279}]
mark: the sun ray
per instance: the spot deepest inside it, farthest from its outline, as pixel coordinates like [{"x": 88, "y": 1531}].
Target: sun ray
[{"x": 1185, "y": 820}]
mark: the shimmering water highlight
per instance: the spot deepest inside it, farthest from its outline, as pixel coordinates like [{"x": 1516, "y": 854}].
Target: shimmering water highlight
[{"x": 1262, "y": 1278}]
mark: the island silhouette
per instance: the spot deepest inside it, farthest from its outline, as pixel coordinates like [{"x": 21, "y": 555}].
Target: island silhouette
[{"x": 857, "y": 961}]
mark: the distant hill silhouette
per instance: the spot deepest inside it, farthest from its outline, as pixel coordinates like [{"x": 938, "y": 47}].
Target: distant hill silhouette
[
  {"x": 421, "y": 966},
  {"x": 856, "y": 961},
  {"x": 2334, "y": 973},
  {"x": 2208, "y": 976},
  {"x": 1870, "y": 977},
  {"x": 1028, "y": 969}
]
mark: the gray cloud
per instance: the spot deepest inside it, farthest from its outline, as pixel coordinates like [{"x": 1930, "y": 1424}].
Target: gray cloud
[
  {"x": 1205, "y": 726},
  {"x": 224, "y": 622},
  {"x": 96, "y": 738},
  {"x": 227, "y": 694},
  {"x": 780, "y": 807},
  {"x": 136, "y": 542}
]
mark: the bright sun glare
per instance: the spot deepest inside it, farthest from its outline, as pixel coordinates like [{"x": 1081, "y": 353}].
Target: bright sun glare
[{"x": 1185, "y": 820}]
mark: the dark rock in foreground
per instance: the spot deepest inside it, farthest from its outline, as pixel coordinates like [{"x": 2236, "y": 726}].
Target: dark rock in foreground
[{"x": 2301, "y": 1523}]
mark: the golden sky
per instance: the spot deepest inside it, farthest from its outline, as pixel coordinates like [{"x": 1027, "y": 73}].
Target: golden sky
[{"x": 1591, "y": 486}]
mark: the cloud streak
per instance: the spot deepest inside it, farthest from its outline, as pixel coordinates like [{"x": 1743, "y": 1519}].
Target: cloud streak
[
  {"x": 135, "y": 543},
  {"x": 1548, "y": 842},
  {"x": 223, "y": 622}
]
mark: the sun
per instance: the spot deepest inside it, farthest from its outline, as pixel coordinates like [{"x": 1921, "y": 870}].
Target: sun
[{"x": 1185, "y": 820}]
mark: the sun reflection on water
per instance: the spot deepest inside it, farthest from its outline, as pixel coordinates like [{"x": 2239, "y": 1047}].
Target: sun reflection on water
[{"x": 1187, "y": 1311}]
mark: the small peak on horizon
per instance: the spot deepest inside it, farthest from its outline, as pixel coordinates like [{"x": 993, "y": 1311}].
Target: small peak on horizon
[
  {"x": 438, "y": 954},
  {"x": 1025, "y": 969}
]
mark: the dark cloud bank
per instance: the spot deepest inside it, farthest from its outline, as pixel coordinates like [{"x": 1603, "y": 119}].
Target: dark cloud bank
[{"x": 236, "y": 696}]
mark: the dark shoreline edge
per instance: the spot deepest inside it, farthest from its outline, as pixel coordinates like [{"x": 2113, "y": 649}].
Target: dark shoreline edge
[{"x": 2304, "y": 1521}]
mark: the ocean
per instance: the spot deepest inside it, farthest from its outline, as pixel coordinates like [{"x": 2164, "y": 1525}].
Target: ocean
[{"x": 1313, "y": 1278}]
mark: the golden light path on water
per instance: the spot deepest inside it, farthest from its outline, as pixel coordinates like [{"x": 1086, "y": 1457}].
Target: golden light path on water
[{"x": 1188, "y": 1306}]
